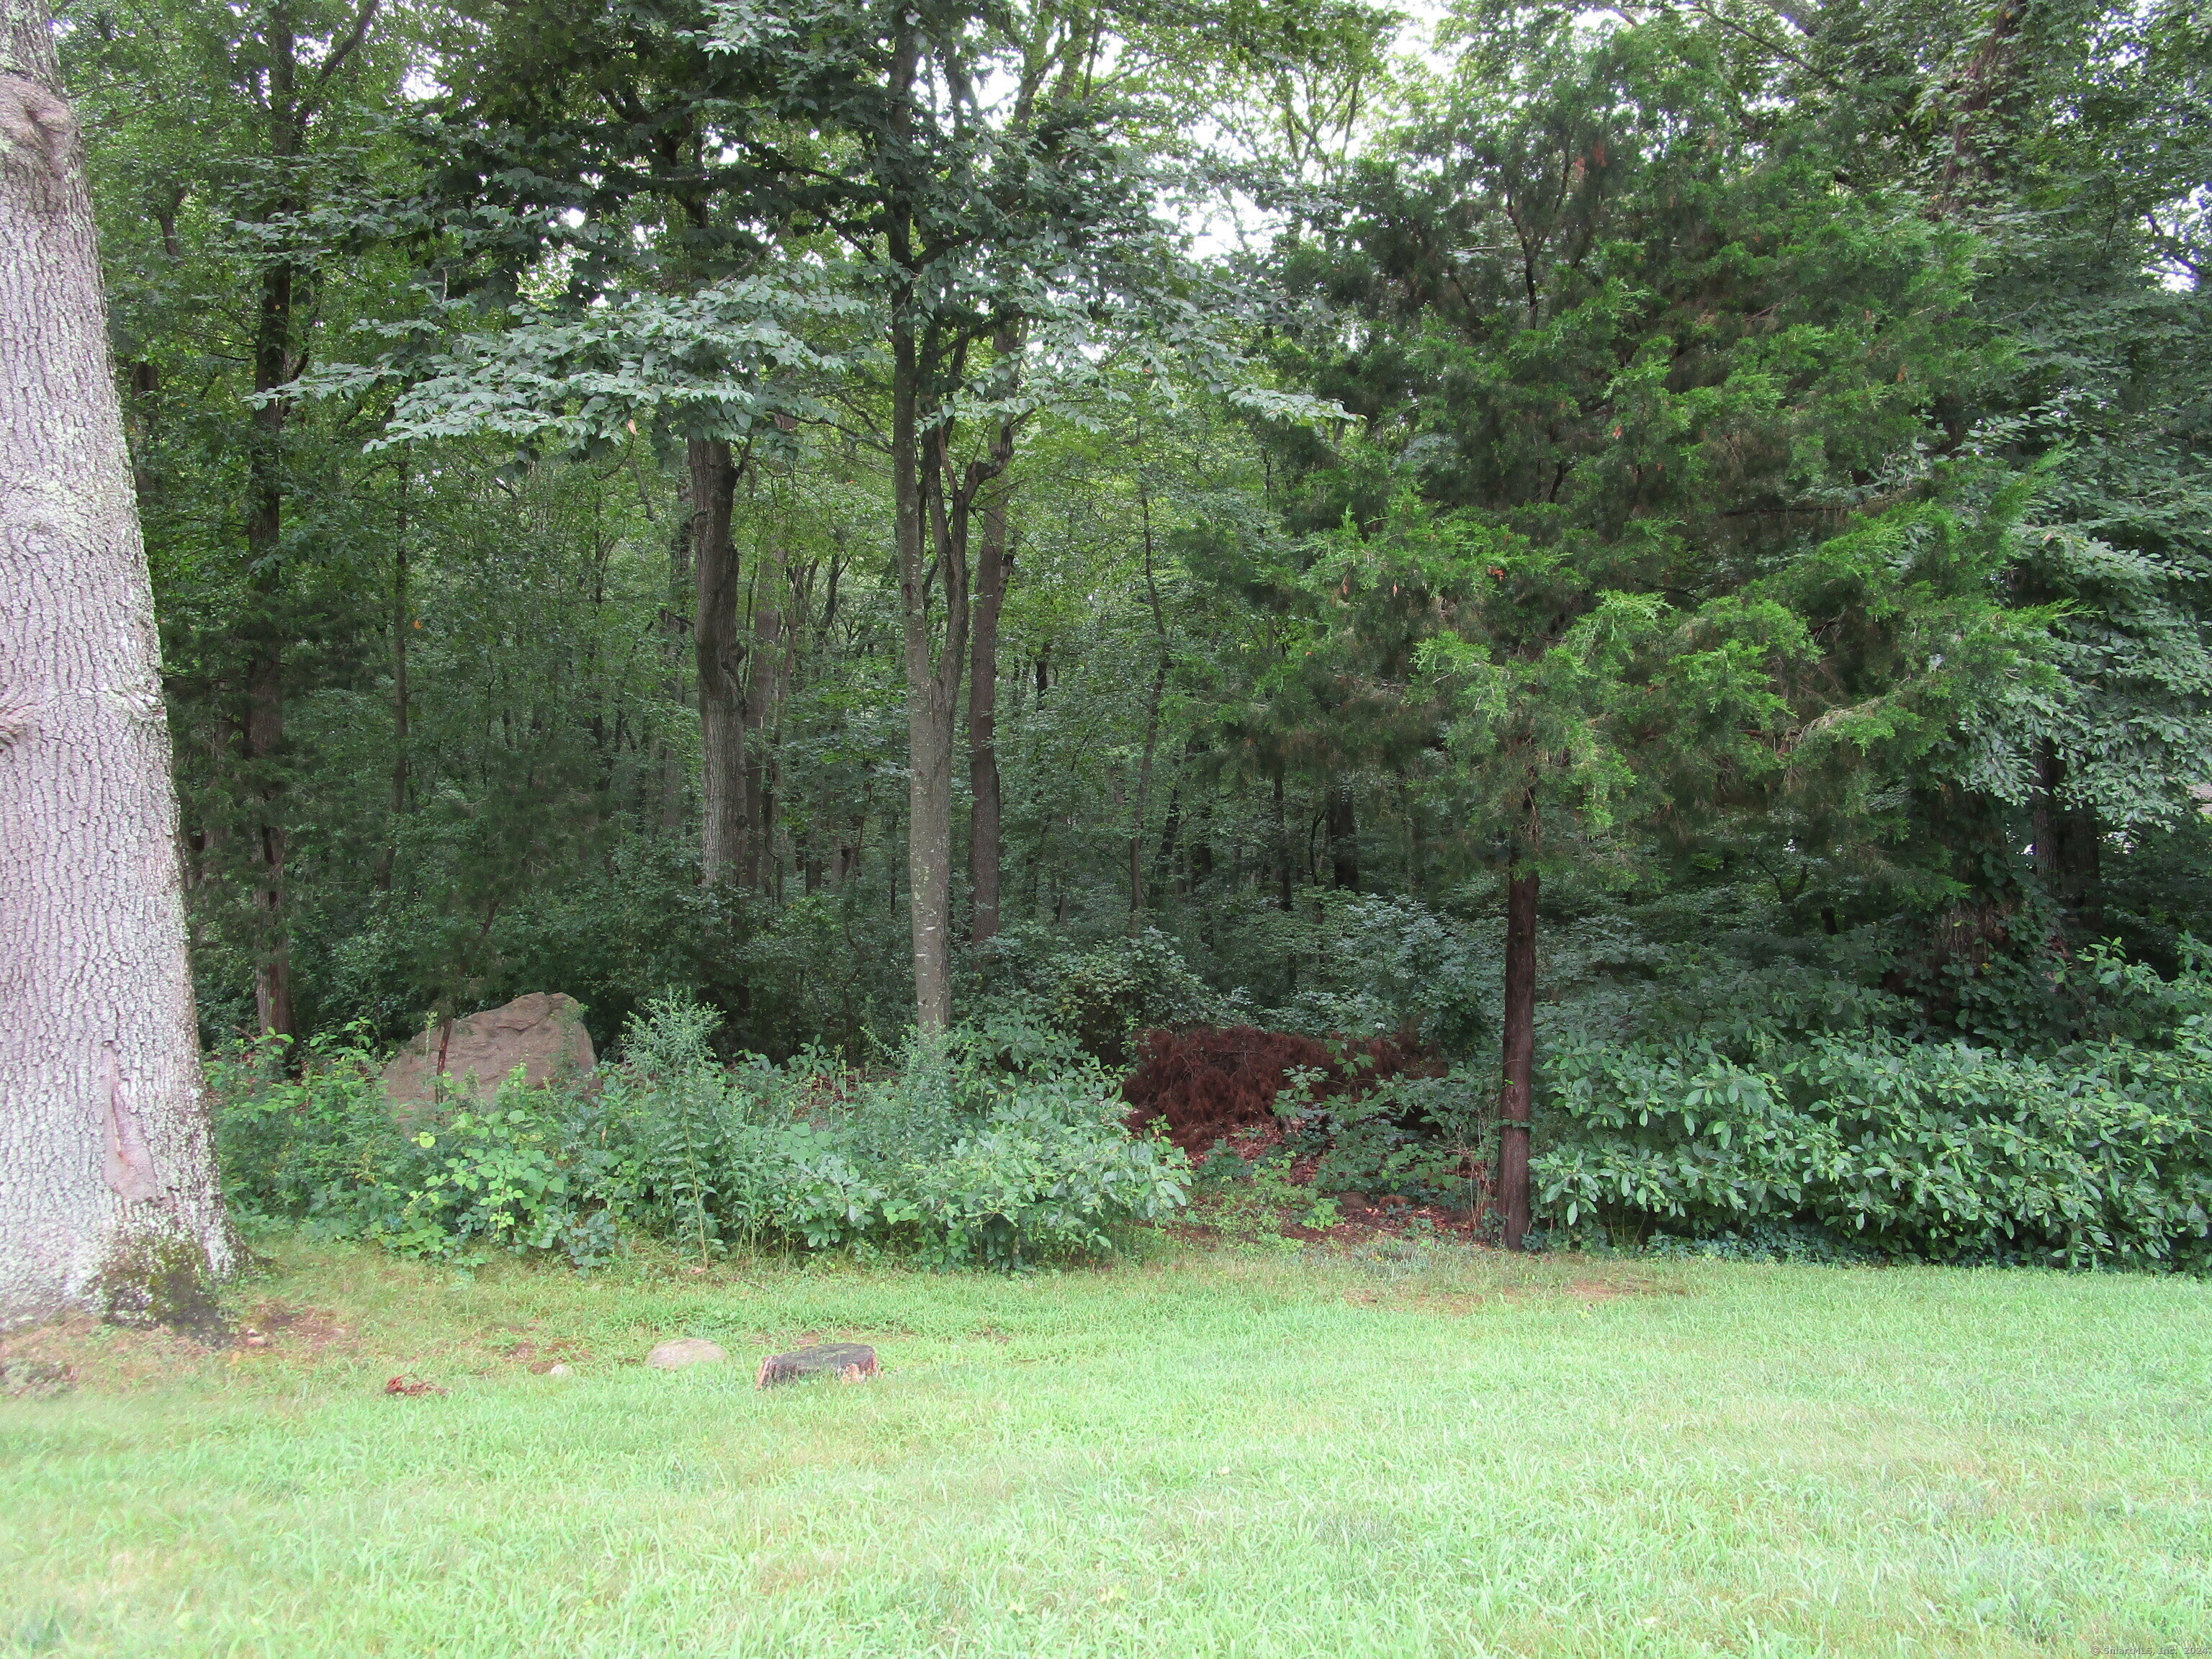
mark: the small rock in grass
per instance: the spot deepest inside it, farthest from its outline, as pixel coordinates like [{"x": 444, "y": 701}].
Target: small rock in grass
[
  {"x": 848, "y": 1362},
  {"x": 679, "y": 1351},
  {"x": 559, "y": 1370}
]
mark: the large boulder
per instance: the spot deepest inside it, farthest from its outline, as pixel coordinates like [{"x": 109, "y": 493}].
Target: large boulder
[{"x": 543, "y": 1033}]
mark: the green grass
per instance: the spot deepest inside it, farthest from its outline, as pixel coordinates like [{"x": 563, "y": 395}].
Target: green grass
[{"x": 1318, "y": 1455}]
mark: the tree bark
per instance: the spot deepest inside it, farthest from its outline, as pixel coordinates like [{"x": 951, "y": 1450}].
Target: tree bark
[
  {"x": 1515, "y": 1091},
  {"x": 719, "y": 647},
  {"x": 108, "y": 1198}
]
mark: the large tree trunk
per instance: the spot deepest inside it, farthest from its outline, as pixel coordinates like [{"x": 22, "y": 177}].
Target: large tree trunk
[
  {"x": 1515, "y": 1091},
  {"x": 986, "y": 845},
  {"x": 724, "y": 847},
  {"x": 108, "y": 1197}
]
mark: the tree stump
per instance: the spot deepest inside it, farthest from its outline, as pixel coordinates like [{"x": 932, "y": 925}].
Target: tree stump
[{"x": 848, "y": 1362}]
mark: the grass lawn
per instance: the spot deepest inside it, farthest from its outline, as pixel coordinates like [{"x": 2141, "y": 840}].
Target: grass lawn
[{"x": 1391, "y": 1451}]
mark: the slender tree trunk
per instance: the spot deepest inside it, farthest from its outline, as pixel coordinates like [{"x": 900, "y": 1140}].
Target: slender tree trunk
[
  {"x": 262, "y": 729},
  {"x": 1282, "y": 840},
  {"x": 681, "y": 601},
  {"x": 108, "y": 1198},
  {"x": 1343, "y": 837},
  {"x": 929, "y": 706},
  {"x": 402, "y": 624},
  {"x": 1152, "y": 715},
  {"x": 262, "y": 726},
  {"x": 1514, "y": 1095},
  {"x": 986, "y": 846},
  {"x": 767, "y": 665},
  {"x": 2068, "y": 844},
  {"x": 720, "y": 648}
]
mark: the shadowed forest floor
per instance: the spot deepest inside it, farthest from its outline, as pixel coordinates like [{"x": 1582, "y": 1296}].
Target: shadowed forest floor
[{"x": 1401, "y": 1448}]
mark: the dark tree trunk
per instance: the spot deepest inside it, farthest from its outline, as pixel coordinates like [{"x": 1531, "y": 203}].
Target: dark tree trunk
[
  {"x": 1282, "y": 840},
  {"x": 261, "y": 728},
  {"x": 1514, "y": 1094},
  {"x": 719, "y": 647},
  {"x": 762, "y": 686},
  {"x": 402, "y": 624},
  {"x": 1343, "y": 838},
  {"x": 986, "y": 846},
  {"x": 1152, "y": 716},
  {"x": 673, "y": 615},
  {"x": 2069, "y": 845}
]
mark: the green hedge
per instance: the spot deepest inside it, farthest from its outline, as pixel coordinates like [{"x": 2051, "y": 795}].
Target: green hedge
[{"x": 2100, "y": 1156}]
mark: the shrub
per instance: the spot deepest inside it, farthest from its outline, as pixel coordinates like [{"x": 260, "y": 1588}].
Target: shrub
[
  {"x": 1940, "y": 1151},
  {"x": 993, "y": 1147},
  {"x": 290, "y": 1147}
]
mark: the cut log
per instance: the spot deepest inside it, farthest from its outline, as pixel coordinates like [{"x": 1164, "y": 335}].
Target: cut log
[{"x": 848, "y": 1362}]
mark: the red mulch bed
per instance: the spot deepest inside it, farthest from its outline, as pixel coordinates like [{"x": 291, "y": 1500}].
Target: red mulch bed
[{"x": 1210, "y": 1082}]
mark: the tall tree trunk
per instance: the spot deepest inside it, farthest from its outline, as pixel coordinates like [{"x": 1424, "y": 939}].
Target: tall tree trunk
[
  {"x": 720, "y": 646},
  {"x": 674, "y": 619},
  {"x": 403, "y": 623},
  {"x": 108, "y": 1197},
  {"x": 1515, "y": 1091},
  {"x": 1282, "y": 840},
  {"x": 262, "y": 727},
  {"x": 1343, "y": 837},
  {"x": 2069, "y": 844},
  {"x": 761, "y": 685},
  {"x": 986, "y": 846},
  {"x": 1151, "y": 713}
]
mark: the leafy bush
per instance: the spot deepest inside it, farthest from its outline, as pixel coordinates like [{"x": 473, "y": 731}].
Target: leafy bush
[
  {"x": 1101, "y": 997},
  {"x": 1938, "y": 1149},
  {"x": 995, "y": 1147},
  {"x": 288, "y": 1148}
]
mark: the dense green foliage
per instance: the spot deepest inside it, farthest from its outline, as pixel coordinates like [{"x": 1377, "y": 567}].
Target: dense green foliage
[
  {"x": 1779, "y": 1112},
  {"x": 1744, "y": 472},
  {"x": 1003, "y": 1148}
]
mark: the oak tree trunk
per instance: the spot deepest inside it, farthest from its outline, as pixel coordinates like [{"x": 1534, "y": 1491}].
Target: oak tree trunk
[
  {"x": 1514, "y": 1095},
  {"x": 108, "y": 1197},
  {"x": 719, "y": 647}
]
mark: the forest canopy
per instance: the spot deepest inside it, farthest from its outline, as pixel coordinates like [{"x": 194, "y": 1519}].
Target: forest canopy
[{"x": 1663, "y": 547}]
